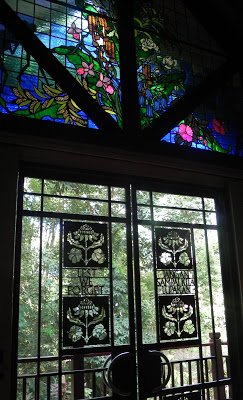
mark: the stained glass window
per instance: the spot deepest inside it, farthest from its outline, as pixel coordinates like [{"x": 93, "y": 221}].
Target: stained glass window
[
  {"x": 174, "y": 55},
  {"x": 82, "y": 35}
]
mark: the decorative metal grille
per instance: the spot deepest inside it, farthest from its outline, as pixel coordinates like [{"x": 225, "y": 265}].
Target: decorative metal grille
[
  {"x": 85, "y": 244},
  {"x": 85, "y": 317},
  {"x": 177, "y": 317},
  {"x": 85, "y": 321},
  {"x": 173, "y": 248},
  {"x": 175, "y": 275}
]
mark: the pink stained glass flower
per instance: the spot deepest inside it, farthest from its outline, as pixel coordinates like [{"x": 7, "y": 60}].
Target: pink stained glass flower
[
  {"x": 76, "y": 32},
  {"x": 86, "y": 69},
  {"x": 186, "y": 132},
  {"x": 105, "y": 83}
]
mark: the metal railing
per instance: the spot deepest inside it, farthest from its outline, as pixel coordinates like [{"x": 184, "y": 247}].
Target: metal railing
[{"x": 207, "y": 375}]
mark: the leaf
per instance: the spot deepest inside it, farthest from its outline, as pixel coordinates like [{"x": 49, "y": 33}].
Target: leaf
[
  {"x": 167, "y": 315},
  {"x": 24, "y": 103},
  {"x": 73, "y": 113},
  {"x": 75, "y": 105},
  {"x": 99, "y": 318},
  {"x": 62, "y": 107},
  {"x": 30, "y": 95},
  {"x": 2, "y": 102},
  {"x": 63, "y": 50},
  {"x": 188, "y": 314},
  {"x": 47, "y": 103},
  {"x": 21, "y": 90},
  {"x": 17, "y": 94},
  {"x": 36, "y": 107},
  {"x": 108, "y": 110},
  {"x": 37, "y": 91},
  {"x": 50, "y": 90},
  {"x": 182, "y": 247}
]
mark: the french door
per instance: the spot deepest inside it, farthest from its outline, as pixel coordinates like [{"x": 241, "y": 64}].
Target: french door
[{"x": 119, "y": 290}]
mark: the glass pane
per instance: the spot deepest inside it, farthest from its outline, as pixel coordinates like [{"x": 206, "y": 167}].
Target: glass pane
[
  {"x": 29, "y": 288},
  {"x": 143, "y": 197},
  {"x": 73, "y": 189},
  {"x": 32, "y": 202},
  {"x": 75, "y": 206},
  {"x": 211, "y": 218},
  {"x": 120, "y": 286},
  {"x": 144, "y": 212},
  {"x": 147, "y": 283},
  {"x": 203, "y": 286},
  {"x": 118, "y": 210},
  {"x": 50, "y": 286},
  {"x": 117, "y": 194},
  {"x": 176, "y": 200},
  {"x": 216, "y": 281},
  {"x": 173, "y": 215},
  {"x": 209, "y": 204},
  {"x": 32, "y": 185}
]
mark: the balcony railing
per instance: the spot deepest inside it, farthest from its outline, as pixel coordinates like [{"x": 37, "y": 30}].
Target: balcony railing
[{"x": 190, "y": 377}]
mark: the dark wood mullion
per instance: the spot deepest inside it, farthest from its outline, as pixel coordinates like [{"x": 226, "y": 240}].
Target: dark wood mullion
[
  {"x": 127, "y": 52},
  {"x": 57, "y": 71},
  {"x": 186, "y": 104}
]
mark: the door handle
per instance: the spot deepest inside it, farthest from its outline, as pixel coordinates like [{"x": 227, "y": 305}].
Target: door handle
[
  {"x": 165, "y": 378},
  {"x": 107, "y": 374}
]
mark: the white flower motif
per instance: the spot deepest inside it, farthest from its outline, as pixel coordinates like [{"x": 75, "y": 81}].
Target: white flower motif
[
  {"x": 75, "y": 333},
  {"x": 169, "y": 328},
  {"x": 189, "y": 327},
  {"x": 184, "y": 259},
  {"x": 165, "y": 258},
  {"x": 75, "y": 255},
  {"x": 169, "y": 62},
  {"x": 98, "y": 256},
  {"x": 99, "y": 332},
  {"x": 148, "y": 44}
]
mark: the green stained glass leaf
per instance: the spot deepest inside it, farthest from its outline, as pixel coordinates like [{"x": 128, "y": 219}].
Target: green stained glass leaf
[
  {"x": 24, "y": 103},
  {"x": 2, "y": 102},
  {"x": 36, "y": 107},
  {"x": 75, "y": 56},
  {"x": 63, "y": 50},
  {"x": 82, "y": 4},
  {"x": 38, "y": 92},
  {"x": 51, "y": 111},
  {"x": 20, "y": 90}
]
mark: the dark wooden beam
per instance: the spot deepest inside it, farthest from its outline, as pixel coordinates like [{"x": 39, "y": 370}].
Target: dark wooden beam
[
  {"x": 57, "y": 71},
  {"x": 128, "y": 70},
  {"x": 186, "y": 104}
]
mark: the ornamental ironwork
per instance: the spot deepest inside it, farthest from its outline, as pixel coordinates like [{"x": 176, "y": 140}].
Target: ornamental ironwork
[
  {"x": 173, "y": 248},
  {"x": 85, "y": 321},
  {"x": 85, "y": 244},
  {"x": 177, "y": 317}
]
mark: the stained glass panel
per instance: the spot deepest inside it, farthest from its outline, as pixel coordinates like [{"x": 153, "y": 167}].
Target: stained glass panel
[
  {"x": 83, "y": 37},
  {"x": 175, "y": 54}
]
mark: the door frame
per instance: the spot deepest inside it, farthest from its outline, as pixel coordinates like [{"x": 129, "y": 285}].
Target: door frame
[{"x": 230, "y": 276}]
